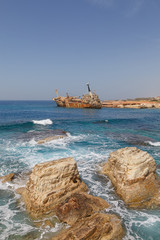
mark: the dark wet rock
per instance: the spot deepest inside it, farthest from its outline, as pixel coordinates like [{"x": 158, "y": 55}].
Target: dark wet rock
[
  {"x": 137, "y": 140},
  {"x": 131, "y": 139},
  {"x": 43, "y": 134}
]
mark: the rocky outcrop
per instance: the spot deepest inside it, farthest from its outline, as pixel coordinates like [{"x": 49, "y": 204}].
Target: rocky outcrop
[
  {"x": 55, "y": 188},
  {"x": 51, "y": 138},
  {"x": 43, "y": 136},
  {"x": 50, "y": 183},
  {"x": 99, "y": 226},
  {"x": 78, "y": 206},
  {"x": 7, "y": 178},
  {"x": 132, "y": 172},
  {"x": 130, "y": 104}
]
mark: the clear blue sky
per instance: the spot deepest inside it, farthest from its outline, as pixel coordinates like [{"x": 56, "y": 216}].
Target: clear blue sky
[{"x": 62, "y": 44}]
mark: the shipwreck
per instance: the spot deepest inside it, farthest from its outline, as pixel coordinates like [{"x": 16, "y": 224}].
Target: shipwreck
[{"x": 90, "y": 100}]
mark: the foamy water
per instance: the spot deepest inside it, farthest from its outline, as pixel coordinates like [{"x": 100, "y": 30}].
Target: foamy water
[
  {"x": 156, "y": 144},
  {"x": 89, "y": 140},
  {"x": 43, "y": 122},
  {"x": 89, "y": 161}
]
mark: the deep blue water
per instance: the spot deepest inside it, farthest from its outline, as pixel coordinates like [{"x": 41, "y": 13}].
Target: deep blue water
[{"x": 90, "y": 140}]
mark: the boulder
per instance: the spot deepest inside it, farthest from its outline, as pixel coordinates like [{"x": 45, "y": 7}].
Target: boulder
[
  {"x": 78, "y": 206},
  {"x": 99, "y": 226},
  {"x": 50, "y": 183},
  {"x": 132, "y": 172},
  {"x": 55, "y": 188},
  {"x": 7, "y": 178}
]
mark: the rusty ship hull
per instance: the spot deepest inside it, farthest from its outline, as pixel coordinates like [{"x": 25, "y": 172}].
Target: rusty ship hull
[
  {"x": 90, "y": 100},
  {"x": 70, "y": 103}
]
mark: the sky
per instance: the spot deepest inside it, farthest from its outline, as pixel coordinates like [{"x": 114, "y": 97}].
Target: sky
[{"x": 63, "y": 44}]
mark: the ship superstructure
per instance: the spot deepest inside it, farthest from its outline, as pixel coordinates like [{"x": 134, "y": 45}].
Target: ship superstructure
[{"x": 90, "y": 100}]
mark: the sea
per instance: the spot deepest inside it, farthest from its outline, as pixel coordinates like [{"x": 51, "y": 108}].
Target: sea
[{"x": 92, "y": 134}]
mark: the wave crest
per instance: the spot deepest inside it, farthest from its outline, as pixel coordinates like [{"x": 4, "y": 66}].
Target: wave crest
[
  {"x": 43, "y": 122},
  {"x": 156, "y": 144}
]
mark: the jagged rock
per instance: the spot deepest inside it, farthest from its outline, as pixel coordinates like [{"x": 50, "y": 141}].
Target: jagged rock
[
  {"x": 78, "y": 206},
  {"x": 132, "y": 172},
  {"x": 51, "y": 138},
  {"x": 55, "y": 187},
  {"x": 7, "y": 178},
  {"x": 99, "y": 226},
  {"x": 50, "y": 183}
]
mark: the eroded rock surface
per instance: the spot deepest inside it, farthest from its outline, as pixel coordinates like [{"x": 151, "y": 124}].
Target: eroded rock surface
[
  {"x": 132, "y": 172},
  {"x": 78, "y": 206},
  {"x": 55, "y": 188},
  {"x": 50, "y": 183},
  {"x": 99, "y": 226}
]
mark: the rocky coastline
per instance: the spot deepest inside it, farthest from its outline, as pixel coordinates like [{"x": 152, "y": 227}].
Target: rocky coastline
[
  {"x": 55, "y": 188},
  {"x": 137, "y": 104}
]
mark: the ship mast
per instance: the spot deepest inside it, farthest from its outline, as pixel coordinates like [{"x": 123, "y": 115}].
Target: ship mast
[
  {"x": 57, "y": 93},
  {"x": 89, "y": 90}
]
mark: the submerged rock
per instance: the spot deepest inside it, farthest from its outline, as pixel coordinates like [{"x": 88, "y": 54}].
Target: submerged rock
[
  {"x": 42, "y": 136},
  {"x": 132, "y": 172},
  {"x": 51, "y": 138},
  {"x": 99, "y": 226},
  {"x": 50, "y": 183}
]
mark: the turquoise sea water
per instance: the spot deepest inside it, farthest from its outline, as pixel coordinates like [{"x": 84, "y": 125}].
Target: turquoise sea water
[{"x": 91, "y": 135}]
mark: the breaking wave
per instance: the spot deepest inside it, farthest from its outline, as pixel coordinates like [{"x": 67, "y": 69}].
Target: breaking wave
[
  {"x": 156, "y": 144},
  {"x": 43, "y": 122}
]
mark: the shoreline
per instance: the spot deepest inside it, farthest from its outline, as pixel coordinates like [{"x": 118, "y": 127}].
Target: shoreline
[{"x": 142, "y": 104}]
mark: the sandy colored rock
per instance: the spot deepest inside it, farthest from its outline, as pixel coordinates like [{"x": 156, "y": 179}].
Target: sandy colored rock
[
  {"x": 97, "y": 227},
  {"x": 50, "y": 183},
  {"x": 7, "y": 178},
  {"x": 20, "y": 190},
  {"x": 78, "y": 206},
  {"x": 130, "y": 104},
  {"x": 51, "y": 138},
  {"x": 55, "y": 188},
  {"x": 132, "y": 172}
]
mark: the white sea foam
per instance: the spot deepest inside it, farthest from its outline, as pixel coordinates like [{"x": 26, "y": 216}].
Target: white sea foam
[
  {"x": 156, "y": 144},
  {"x": 64, "y": 142},
  {"x": 106, "y": 121},
  {"x": 43, "y": 122},
  {"x": 32, "y": 142},
  {"x": 88, "y": 158}
]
